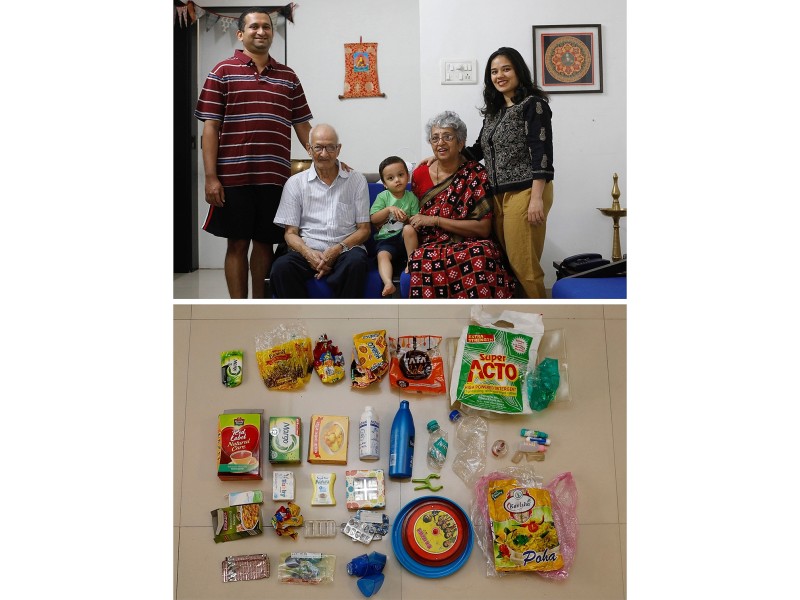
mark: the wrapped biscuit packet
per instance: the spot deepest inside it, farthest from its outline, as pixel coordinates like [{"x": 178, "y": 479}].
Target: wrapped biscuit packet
[
  {"x": 416, "y": 364},
  {"x": 284, "y": 356},
  {"x": 369, "y": 358},
  {"x": 328, "y": 360}
]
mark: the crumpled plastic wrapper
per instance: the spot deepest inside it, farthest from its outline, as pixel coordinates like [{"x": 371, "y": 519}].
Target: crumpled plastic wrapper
[
  {"x": 328, "y": 360},
  {"x": 286, "y": 518}
]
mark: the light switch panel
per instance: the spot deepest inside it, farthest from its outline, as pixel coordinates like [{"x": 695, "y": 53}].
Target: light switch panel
[{"x": 458, "y": 71}]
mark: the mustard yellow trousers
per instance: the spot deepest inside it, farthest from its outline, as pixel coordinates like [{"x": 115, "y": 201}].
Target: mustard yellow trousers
[{"x": 522, "y": 243}]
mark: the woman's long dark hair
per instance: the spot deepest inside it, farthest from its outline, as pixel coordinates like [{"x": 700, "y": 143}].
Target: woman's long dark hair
[{"x": 494, "y": 100}]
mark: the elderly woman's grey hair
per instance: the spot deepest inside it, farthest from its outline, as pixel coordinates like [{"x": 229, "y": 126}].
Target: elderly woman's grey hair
[{"x": 450, "y": 120}]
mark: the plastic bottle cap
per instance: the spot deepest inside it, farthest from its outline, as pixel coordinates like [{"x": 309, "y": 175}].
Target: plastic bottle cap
[
  {"x": 433, "y": 425},
  {"x": 367, "y": 409},
  {"x": 455, "y": 416}
]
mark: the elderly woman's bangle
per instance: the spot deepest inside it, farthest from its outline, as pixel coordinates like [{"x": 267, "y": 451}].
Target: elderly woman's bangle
[{"x": 438, "y": 220}]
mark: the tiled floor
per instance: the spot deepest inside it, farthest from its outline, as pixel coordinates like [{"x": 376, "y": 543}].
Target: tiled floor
[
  {"x": 589, "y": 439},
  {"x": 205, "y": 284},
  {"x": 200, "y": 284}
]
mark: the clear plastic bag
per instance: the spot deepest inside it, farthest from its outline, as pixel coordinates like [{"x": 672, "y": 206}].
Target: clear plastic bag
[{"x": 564, "y": 499}]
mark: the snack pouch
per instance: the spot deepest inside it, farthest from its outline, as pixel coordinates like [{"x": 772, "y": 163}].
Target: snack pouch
[
  {"x": 232, "y": 363},
  {"x": 416, "y": 364},
  {"x": 369, "y": 358},
  {"x": 328, "y": 360},
  {"x": 525, "y": 536},
  {"x": 492, "y": 363},
  {"x": 285, "y": 357}
]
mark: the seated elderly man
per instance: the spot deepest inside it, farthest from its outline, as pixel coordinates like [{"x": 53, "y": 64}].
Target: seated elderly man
[{"x": 325, "y": 214}]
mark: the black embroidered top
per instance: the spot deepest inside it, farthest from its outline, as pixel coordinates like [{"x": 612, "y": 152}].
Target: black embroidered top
[{"x": 516, "y": 145}]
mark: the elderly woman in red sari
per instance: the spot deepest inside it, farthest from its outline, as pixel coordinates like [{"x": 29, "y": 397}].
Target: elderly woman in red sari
[{"x": 456, "y": 257}]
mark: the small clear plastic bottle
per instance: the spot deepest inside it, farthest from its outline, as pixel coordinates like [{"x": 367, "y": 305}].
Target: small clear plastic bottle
[
  {"x": 472, "y": 432},
  {"x": 437, "y": 446}
]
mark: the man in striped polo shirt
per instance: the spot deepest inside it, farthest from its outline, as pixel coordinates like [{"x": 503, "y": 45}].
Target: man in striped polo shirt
[
  {"x": 325, "y": 212},
  {"x": 249, "y": 105}
]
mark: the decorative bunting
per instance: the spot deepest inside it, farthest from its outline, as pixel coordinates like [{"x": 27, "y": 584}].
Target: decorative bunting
[
  {"x": 361, "y": 71},
  {"x": 189, "y": 14}
]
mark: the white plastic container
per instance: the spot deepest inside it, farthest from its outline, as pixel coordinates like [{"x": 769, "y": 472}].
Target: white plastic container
[{"x": 369, "y": 447}]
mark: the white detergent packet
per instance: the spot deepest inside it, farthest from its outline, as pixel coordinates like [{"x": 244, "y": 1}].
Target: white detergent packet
[{"x": 494, "y": 358}]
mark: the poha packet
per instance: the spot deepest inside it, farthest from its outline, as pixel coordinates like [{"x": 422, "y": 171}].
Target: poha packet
[{"x": 523, "y": 528}]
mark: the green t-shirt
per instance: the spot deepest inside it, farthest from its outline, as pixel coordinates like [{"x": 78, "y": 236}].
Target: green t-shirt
[{"x": 408, "y": 204}]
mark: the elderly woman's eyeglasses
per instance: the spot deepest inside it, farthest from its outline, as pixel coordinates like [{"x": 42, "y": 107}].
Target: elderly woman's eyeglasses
[
  {"x": 445, "y": 137},
  {"x": 331, "y": 148}
]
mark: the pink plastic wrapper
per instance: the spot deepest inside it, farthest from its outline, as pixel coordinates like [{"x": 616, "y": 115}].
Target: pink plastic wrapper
[{"x": 564, "y": 498}]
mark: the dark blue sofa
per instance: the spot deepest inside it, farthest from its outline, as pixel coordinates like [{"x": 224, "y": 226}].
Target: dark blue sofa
[{"x": 319, "y": 289}]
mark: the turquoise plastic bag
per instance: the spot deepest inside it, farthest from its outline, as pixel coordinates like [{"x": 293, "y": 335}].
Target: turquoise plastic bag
[{"x": 542, "y": 386}]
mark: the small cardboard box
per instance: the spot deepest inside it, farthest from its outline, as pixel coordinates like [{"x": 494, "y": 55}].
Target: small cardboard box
[
  {"x": 365, "y": 489},
  {"x": 236, "y": 522},
  {"x": 327, "y": 443},
  {"x": 285, "y": 440},
  {"x": 239, "y": 445},
  {"x": 282, "y": 485}
]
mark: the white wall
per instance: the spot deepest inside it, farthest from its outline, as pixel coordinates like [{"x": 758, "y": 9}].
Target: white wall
[{"x": 589, "y": 130}]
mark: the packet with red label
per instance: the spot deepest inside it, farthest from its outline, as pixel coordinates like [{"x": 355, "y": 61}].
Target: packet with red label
[{"x": 328, "y": 360}]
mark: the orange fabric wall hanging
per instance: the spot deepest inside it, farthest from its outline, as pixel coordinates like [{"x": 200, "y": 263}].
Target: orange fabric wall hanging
[{"x": 361, "y": 71}]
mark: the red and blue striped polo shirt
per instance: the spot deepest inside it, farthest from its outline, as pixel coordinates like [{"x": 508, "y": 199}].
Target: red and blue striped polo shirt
[{"x": 257, "y": 111}]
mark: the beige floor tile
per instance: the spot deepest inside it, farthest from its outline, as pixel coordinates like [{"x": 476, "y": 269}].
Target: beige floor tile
[
  {"x": 616, "y": 311},
  {"x": 617, "y": 374},
  {"x": 208, "y": 398},
  {"x": 199, "y": 572},
  {"x": 202, "y": 283},
  {"x": 461, "y": 310},
  {"x": 176, "y": 541},
  {"x": 581, "y": 430},
  {"x": 181, "y": 311},
  {"x": 296, "y": 310},
  {"x": 180, "y": 369},
  {"x": 596, "y": 575},
  {"x": 623, "y": 539}
]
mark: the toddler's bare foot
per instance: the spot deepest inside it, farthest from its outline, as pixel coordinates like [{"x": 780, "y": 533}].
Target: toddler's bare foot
[{"x": 388, "y": 289}]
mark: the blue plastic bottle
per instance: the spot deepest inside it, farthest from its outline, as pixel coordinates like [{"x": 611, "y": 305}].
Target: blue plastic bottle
[{"x": 401, "y": 444}]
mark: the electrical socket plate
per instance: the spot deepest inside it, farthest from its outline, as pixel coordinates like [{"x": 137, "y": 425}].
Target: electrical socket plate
[{"x": 459, "y": 71}]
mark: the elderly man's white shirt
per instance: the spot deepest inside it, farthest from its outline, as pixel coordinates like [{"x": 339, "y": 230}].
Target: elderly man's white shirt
[{"x": 325, "y": 215}]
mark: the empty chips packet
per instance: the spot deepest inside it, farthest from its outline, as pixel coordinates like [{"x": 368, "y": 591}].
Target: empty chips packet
[{"x": 247, "y": 567}]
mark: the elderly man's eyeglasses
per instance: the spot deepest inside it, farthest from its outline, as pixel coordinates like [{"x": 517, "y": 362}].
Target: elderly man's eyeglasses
[
  {"x": 445, "y": 137},
  {"x": 331, "y": 148}
]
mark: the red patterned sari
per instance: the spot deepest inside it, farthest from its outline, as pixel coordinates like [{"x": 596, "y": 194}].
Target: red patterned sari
[{"x": 447, "y": 265}]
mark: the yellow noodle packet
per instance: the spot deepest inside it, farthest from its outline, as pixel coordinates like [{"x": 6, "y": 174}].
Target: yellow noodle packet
[
  {"x": 525, "y": 536},
  {"x": 285, "y": 357}
]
